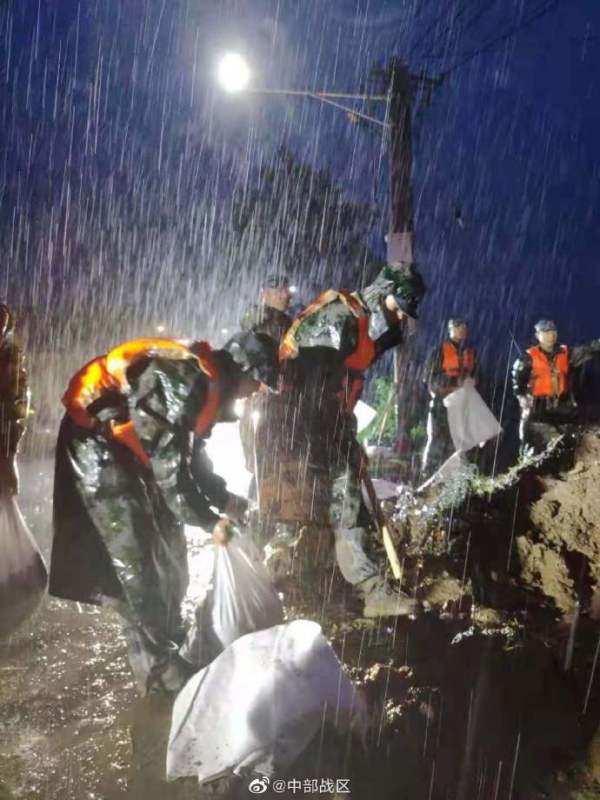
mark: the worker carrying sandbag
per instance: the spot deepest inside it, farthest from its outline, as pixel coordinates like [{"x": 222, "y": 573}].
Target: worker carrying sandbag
[
  {"x": 449, "y": 365},
  {"x": 127, "y": 480},
  {"x": 22, "y": 570},
  {"x": 14, "y": 402}
]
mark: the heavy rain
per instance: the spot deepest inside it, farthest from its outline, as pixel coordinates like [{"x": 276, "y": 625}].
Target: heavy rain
[{"x": 299, "y": 399}]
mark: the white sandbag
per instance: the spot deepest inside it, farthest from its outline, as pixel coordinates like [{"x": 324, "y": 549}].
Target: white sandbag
[
  {"x": 260, "y": 703},
  {"x": 470, "y": 421},
  {"x": 240, "y": 600},
  {"x": 365, "y": 414},
  {"x": 23, "y": 574}
]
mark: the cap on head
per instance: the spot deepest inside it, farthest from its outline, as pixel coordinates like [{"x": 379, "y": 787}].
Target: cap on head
[
  {"x": 545, "y": 325},
  {"x": 456, "y": 322}
]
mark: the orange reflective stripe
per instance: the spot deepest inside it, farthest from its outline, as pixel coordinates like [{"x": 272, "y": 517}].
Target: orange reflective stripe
[
  {"x": 122, "y": 357},
  {"x": 549, "y": 375},
  {"x": 364, "y": 354},
  {"x": 454, "y": 363},
  {"x": 126, "y": 434},
  {"x": 109, "y": 373},
  {"x": 209, "y": 411},
  {"x": 86, "y": 386},
  {"x": 289, "y": 345},
  {"x": 203, "y": 352},
  {"x": 354, "y": 394}
]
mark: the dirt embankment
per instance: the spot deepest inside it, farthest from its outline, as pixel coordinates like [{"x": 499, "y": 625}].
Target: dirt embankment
[{"x": 560, "y": 551}]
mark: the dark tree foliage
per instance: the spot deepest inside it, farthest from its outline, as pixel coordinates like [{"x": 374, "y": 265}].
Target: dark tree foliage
[{"x": 296, "y": 218}]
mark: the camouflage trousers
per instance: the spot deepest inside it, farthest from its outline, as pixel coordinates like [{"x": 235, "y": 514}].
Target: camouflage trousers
[
  {"x": 150, "y": 611},
  {"x": 117, "y": 543},
  {"x": 345, "y": 511}
]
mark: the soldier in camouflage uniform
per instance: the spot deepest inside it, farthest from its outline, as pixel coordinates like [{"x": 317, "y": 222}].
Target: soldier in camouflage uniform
[
  {"x": 261, "y": 422},
  {"x": 14, "y": 399},
  {"x": 126, "y": 482},
  {"x": 543, "y": 384},
  {"x": 325, "y": 354}
]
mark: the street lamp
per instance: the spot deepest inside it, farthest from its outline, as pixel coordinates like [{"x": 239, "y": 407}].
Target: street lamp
[
  {"x": 234, "y": 76},
  {"x": 233, "y": 73}
]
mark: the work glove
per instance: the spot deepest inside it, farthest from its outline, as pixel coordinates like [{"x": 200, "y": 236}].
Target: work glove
[
  {"x": 223, "y": 532},
  {"x": 9, "y": 477},
  {"x": 236, "y": 508}
]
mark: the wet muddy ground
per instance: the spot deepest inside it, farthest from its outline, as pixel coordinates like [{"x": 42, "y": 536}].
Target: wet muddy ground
[
  {"x": 72, "y": 726},
  {"x": 68, "y": 703}
]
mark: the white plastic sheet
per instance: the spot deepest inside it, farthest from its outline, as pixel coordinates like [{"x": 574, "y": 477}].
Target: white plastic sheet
[
  {"x": 23, "y": 574},
  {"x": 260, "y": 703},
  {"x": 240, "y": 600},
  {"x": 224, "y": 448},
  {"x": 470, "y": 421}
]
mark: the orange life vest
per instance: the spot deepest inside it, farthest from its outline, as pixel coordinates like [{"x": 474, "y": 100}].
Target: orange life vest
[
  {"x": 364, "y": 353},
  {"x": 359, "y": 360},
  {"x": 457, "y": 364},
  {"x": 109, "y": 373},
  {"x": 549, "y": 375}
]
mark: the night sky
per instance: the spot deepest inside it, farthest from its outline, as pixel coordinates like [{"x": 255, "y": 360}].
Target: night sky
[{"x": 119, "y": 155}]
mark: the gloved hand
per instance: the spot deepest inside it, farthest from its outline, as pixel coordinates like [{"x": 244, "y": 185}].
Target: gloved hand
[
  {"x": 223, "y": 532},
  {"x": 468, "y": 381},
  {"x": 236, "y": 508},
  {"x": 9, "y": 477}
]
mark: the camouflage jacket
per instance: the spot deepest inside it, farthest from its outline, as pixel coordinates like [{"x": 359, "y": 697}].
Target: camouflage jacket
[
  {"x": 13, "y": 395},
  {"x": 267, "y": 320}
]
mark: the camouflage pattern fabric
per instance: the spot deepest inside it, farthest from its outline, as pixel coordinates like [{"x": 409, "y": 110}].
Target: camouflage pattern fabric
[
  {"x": 118, "y": 525},
  {"x": 13, "y": 395}
]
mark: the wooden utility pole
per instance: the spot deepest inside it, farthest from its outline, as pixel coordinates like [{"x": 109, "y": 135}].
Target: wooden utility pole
[
  {"x": 402, "y": 88},
  {"x": 400, "y": 237}
]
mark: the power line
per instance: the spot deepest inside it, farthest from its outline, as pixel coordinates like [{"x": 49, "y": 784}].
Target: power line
[
  {"x": 479, "y": 13},
  {"x": 545, "y": 8},
  {"x": 430, "y": 27},
  {"x": 449, "y": 27}
]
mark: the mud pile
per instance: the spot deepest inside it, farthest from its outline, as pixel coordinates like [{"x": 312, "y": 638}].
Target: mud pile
[{"x": 559, "y": 553}]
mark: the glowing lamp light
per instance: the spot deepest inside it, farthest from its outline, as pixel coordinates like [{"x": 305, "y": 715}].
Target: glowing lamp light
[
  {"x": 160, "y": 328},
  {"x": 233, "y": 73},
  {"x": 292, "y": 289}
]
